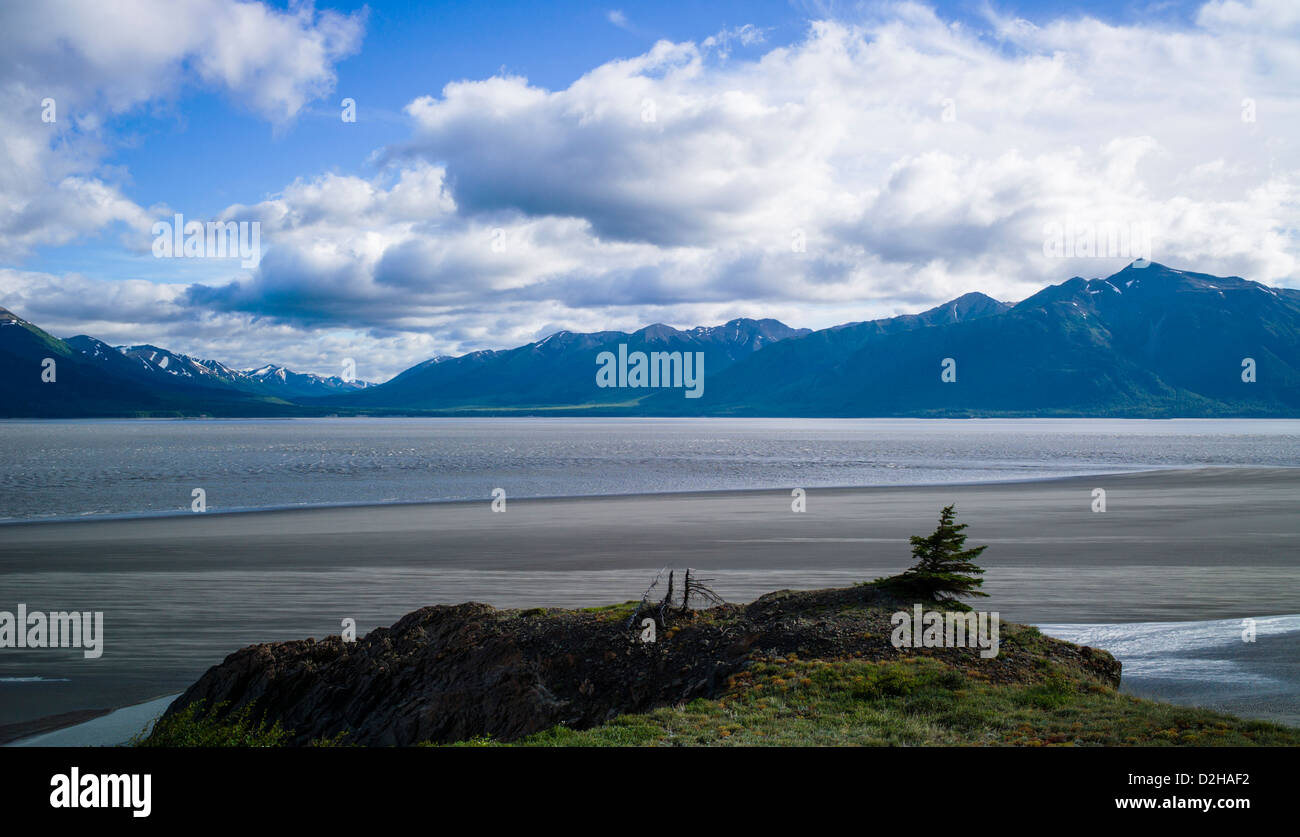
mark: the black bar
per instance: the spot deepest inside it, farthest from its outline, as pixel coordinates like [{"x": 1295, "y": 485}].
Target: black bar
[{"x": 437, "y": 786}]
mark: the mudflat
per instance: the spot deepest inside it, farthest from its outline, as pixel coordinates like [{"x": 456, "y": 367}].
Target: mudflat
[{"x": 180, "y": 593}]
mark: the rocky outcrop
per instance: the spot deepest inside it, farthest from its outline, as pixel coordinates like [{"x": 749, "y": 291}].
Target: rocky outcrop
[{"x": 445, "y": 674}]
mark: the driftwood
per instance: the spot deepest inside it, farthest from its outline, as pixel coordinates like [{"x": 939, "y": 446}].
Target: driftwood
[
  {"x": 698, "y": 588},
  {"x": 645, "y": 597},
  {"x": 668, "y": 599},
  {"x": 694, "y": 588}
]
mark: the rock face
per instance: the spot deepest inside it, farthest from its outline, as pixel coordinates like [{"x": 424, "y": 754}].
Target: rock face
[{"x": 446, "y": 674}]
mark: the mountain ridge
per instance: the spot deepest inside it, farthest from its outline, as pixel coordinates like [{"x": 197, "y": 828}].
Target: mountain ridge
[{"x": 1148, "y": 341}]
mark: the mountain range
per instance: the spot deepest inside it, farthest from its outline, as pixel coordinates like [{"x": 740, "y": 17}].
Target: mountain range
[
  {"x": 1149, "y": 341},
  {"x": 92, "y": 378}
]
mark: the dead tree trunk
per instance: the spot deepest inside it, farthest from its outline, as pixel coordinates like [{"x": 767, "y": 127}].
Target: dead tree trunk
[
  {"x": 668, "y": 599},
  {"x": 645, "y": 599}
]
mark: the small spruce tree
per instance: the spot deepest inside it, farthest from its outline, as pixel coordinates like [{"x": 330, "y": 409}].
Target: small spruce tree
[{"x": 944, "y": 568}]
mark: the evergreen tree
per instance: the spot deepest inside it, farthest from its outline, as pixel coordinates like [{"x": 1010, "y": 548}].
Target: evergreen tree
[{"x": 944, "y": 568}]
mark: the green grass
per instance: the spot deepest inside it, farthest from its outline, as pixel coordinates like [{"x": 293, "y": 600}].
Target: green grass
[
  {"x": 913, "y": 702},
  {"x": 192, "y": 727},
  {"x": 613, "y": 612}
]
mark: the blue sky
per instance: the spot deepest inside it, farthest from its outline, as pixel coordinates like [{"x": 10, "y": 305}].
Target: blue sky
[
  {"x": 412, "y": 49},
  {"x": 774, "y": 121}
]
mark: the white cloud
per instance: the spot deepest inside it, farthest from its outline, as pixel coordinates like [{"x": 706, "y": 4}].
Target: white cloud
[
  {"x": 96, "y": 60},
  {"x": 847, "y": 128}
]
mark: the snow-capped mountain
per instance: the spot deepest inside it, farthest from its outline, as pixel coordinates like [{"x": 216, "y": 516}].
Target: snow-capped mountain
[
  {"x": 278, "y": 378},
  {"x": 160, "y": 364}
]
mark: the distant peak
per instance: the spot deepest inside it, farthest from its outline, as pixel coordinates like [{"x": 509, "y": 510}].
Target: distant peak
[
  {"x": 657, "y": 331},
  {"x": 968, "y": 305},
  {"x": 1141, "y": 266},
  {"x": 973, "y": 296}
]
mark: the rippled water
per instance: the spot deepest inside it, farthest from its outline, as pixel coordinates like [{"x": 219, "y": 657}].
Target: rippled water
[
  {"x": 1216, "y": 664},
  {"x": 51, "y": 469}
]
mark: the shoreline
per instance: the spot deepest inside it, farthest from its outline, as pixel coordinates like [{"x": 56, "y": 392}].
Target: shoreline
[
  {"x": 94, "y": 517},
  {"x": 91, "y": 723},
  {"x": 1216, "y": 518},
  {"x": 22, "y": 730}
]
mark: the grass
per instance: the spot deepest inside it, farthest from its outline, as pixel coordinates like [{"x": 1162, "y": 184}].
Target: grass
[
  {"x": 192, "y": 727},
  {"x": 913, "y": 702},
  {"x": 613, "y": 612}
]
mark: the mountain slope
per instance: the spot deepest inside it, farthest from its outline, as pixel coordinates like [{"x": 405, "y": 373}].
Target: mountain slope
[
  {"x": 815, "y": 365},
  {"x": 80, "y": 386},
  {"x": 1146, "y": 341},
  {"x": 558, "y": 370},
  {"x": 92, "y": 378},
  {"x": 162, "y": 368}
]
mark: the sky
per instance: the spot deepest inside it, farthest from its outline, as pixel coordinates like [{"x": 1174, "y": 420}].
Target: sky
[{"x": 515, "y": 169}]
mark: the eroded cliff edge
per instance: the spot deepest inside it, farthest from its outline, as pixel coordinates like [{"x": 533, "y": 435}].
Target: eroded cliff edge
[{"x": 450, "y": 673}]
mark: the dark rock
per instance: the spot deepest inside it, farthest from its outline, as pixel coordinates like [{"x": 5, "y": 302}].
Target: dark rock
[{"x": 446, "y": 674}]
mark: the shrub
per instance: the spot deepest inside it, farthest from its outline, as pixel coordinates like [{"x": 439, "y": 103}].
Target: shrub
[{"x": 192, "y": 727}]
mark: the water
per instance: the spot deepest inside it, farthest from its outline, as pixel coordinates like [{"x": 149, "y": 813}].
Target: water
[
  {"x": 112, "y": 730},
  {"x": 1210, "y": 663},
  {"x": 65, "y": 469}
]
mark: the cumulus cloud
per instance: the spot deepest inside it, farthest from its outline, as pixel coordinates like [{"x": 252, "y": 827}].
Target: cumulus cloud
[
  {"x": 83, "y": 63},
  {"x": 932, "y": 141}
]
